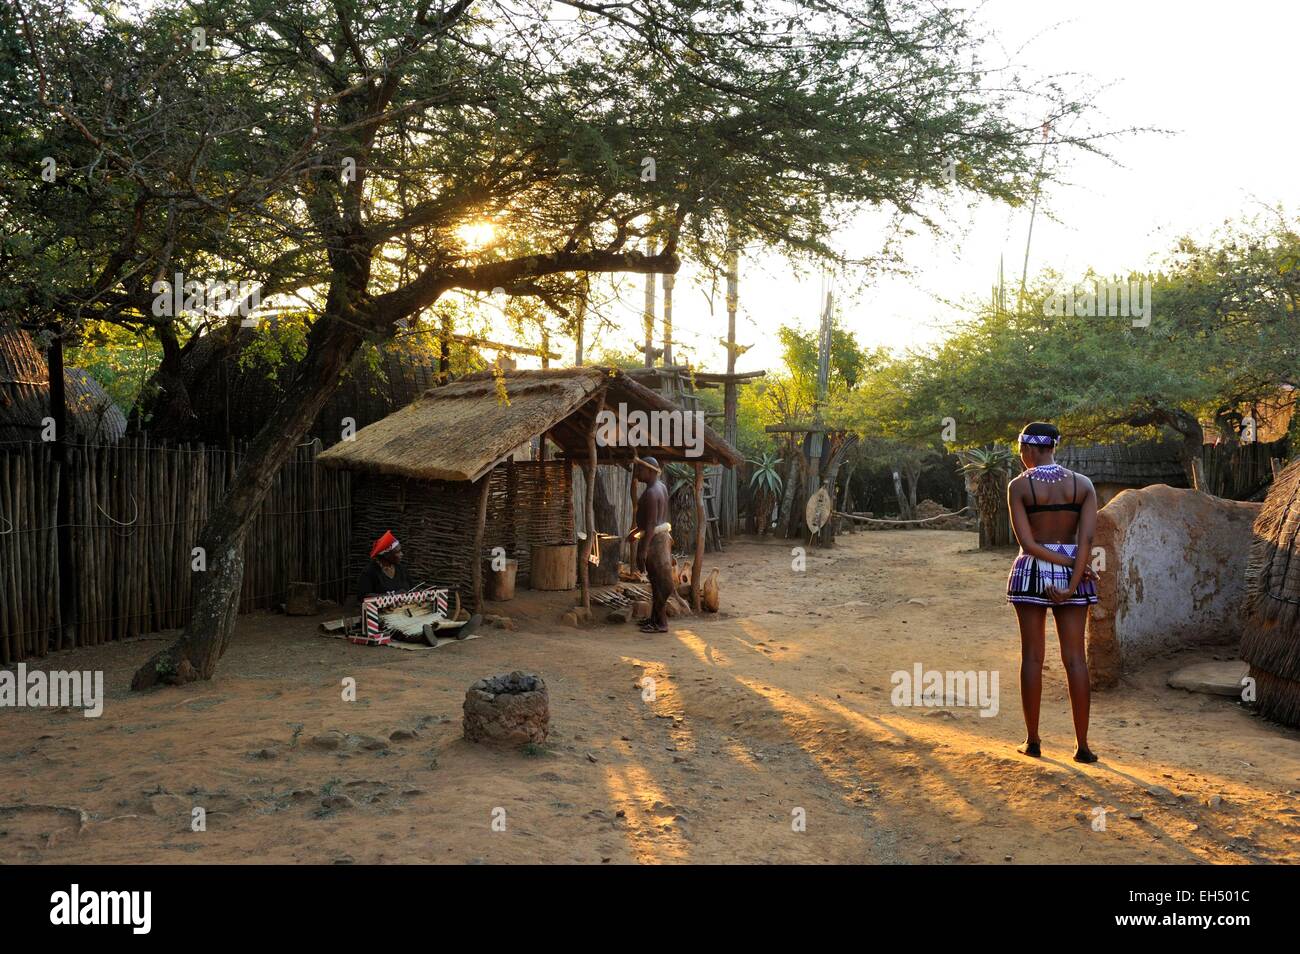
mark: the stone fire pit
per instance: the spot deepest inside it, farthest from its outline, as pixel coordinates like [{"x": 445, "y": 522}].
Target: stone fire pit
[{"x": 509, "y": 709}]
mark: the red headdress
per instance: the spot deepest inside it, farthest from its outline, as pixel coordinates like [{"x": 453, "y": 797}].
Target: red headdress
[{"x": 384, "y": 544}]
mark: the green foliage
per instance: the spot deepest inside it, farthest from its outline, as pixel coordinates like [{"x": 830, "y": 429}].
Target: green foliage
[
  {"x": 996, "y": 460},
  {"x": 765, "y": 126},
  {"x": 680, "y": 479},
  {"x": 120, "y": 359},
  {"x": 1224, "y": 335},
  {"x": 765, "y": 475}
]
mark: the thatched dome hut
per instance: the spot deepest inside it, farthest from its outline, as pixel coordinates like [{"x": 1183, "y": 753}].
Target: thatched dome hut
[
  {"x": 1117, "y": 467},
  {"x": 93, "y": 418},
  {"x": 1271, "y": 641}
]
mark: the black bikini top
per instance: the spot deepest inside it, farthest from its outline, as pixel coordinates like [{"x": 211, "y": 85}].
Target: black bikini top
[{"x": 1036, "y": 507}]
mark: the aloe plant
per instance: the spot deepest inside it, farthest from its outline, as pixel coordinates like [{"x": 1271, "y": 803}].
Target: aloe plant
[
  {"x": 986, "y": 470},
  {"x": 766, "y": 483}
]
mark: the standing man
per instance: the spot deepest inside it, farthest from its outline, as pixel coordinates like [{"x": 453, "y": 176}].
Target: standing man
[{"x": 652, "y": 543}]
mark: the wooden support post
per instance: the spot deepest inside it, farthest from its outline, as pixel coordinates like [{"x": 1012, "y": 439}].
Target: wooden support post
[
  {"x": 68, "y": 603},
  {"x": 479, "y": 528},
  {"x": 701, "y": 531},
  {"x": 444, "y": 350},
  {"x": 589, "y": 469},
  {"x": 648, "y": 316},
  {"x": 669, "y": 281},
  {"x": 728, "y": 497},
  {"x": 631, "y": 492},
  {"x": 580, "y": 322}
]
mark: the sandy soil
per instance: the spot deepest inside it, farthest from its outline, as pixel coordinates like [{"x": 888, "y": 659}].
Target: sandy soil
[{"x": 781, "y": 703}]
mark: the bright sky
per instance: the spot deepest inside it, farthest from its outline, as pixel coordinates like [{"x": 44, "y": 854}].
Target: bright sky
[{"x": 1219, "y": 78}]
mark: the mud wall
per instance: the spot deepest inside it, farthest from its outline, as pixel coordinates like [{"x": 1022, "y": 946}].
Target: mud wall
[{"x": 1174, "y": 575}]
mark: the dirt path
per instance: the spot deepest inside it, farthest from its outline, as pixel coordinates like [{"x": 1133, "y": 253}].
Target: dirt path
[{"x": 777, "y": 710}]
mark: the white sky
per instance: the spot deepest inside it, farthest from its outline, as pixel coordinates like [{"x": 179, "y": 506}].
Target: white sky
[{"x": 1220, "y": 77}]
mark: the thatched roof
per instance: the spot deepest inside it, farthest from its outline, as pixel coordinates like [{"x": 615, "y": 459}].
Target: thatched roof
[
  {"x": 1131, "y": 465},
  {"x": 1271, "y": 640},
  {"x": 461, "y": 431},
  {"x": 93, "y": 418}
]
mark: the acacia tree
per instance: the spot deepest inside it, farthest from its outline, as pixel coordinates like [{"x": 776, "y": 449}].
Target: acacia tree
[{"x": 341, "y": 150}]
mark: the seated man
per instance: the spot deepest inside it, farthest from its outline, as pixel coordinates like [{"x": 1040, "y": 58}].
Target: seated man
[{"x": 384, "y": 573}]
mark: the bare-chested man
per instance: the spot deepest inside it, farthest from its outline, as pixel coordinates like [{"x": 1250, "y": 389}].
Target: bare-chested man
[{"x": 652, "y": 544}]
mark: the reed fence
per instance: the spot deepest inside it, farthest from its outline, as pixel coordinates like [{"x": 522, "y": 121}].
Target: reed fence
[{"x": 134, "y": 513}]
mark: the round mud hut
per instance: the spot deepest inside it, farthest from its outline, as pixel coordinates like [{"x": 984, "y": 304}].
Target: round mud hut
[{"x": 1271, "y": 638}]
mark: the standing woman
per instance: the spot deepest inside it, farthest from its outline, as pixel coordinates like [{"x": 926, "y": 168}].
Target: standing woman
[{"x": 1054, "y": 515}]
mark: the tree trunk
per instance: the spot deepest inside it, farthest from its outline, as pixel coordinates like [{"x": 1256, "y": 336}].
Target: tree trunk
[
  {"x": 904, "y": 512},
  {"x": 786, "y": 519},
  {"x": 827, "y": 536},
  {"x": 990, "y": 500},
  {"x": 216, "y": 595}
]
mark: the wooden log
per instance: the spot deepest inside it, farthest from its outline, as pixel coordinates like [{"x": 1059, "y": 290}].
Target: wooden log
[
  {"x": 501, "y": 583},
  {"x": 554, "y": 567},
  {"x": 611, "y": 553},
  {"x": 700, "y": 533}
]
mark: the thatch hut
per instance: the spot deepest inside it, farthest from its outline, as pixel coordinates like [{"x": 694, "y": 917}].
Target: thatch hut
[
  {"x": 1116, "y": 467},
  {"x": 93, "y": 418},
  {"x": 1271, "y": 639},
  {"x": 451, "y": 473}
]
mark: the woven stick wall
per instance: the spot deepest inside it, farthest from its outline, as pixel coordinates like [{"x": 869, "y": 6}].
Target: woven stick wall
[
  {"x": 1271, "y": 639},
  {"x": 136, "y": 510},
  {"x": 529, "y": 502}
]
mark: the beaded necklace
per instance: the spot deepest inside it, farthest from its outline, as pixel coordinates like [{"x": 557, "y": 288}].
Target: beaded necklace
[{"x": 1048, "y": 473}]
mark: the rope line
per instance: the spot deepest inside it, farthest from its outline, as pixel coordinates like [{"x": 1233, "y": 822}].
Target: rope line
[
  {"x": 854, "y": 516},
  {"x": 160, "y": 523}
]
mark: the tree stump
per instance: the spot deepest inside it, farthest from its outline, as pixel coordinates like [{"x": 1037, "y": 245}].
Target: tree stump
[
  {"x": 501, "y": 583},
  {"x": 508, "y": 709},
  {"x": 301, "y": 600},
  {"x": 611, "y": 552},
  {"x": 554, "y": 567}
]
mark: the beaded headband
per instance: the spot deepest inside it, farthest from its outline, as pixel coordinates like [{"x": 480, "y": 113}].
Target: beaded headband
[{"x": 1037, "y": 439}]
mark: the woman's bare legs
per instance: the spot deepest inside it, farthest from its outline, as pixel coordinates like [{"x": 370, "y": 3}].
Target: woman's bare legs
[
  {"x": 1033, "y": 622},
  {"x": 1070, "y": 622}
]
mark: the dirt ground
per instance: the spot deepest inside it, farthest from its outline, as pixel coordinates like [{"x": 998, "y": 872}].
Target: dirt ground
[{"x": 771, "y": 737}]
